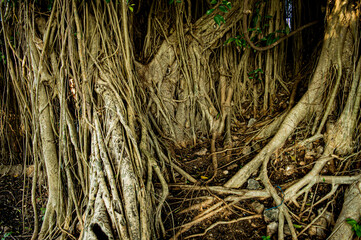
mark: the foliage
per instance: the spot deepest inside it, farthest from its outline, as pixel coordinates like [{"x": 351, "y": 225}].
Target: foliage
[
  {"x": 8, "y": 234},
  {"x": 223, "y": 7},
  {"x": 255, "y": 74},
  {"x": 130, "y": 6},
  {"x": 266, "y": 238},
  {"x": 239, "y": 41},
  {"x": 172, "y": 1},
  {"x": 356, "y": 227},
  {"x": 2, "y": 58},
  {"x": 261, "y": 31}
]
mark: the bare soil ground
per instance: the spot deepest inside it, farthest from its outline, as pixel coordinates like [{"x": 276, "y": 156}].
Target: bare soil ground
[
  {"x": 16, "y": 212},
  {"x": 286, "y": 166}
]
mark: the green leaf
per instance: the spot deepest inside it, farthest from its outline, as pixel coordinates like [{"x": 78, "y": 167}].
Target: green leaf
[
  {"x": 43, "y": 210},
  {"x": 179, "y": 1},
  {"x": 214, "y": 2},
  {"x": 108, "y": 1},
  {"x": 358, "y": 233},
  {"x": 238, "y": 43},
  {"x": 131, "y": 7},
  {"x": 223, "y": 9},
  {"x": 210, "y": 11},
  {"x": 356, "y": 228},
  {"x": 7, "y": 234},
  {"x": 297, "y": 226},
  {"x": 171, "y": 2},
  {"x": 243, "y": 42},
  {"x": 229, "y": 41},
  {"x": 268, "y": 16},
  {"x": 227, "y": 4},
  {"x": 351, "y": 221},
  {"x": 219, "y": 19}
]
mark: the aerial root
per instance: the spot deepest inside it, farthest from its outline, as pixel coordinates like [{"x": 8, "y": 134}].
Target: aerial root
[
  {"x": 269, "y": 191},
  {"x": 297, "y": 189},
  {"x": 183, "y": 173},
  {"x": 314, "y": 220},
  {"x": 216, "y": 208},
  {"x": 284, "y": 212},
  {"x": 49, "y": 221},
  {"x": 198, "y": 206},
  {"x": 224, "y": 222},
  {"x": 214, "y": 156}
]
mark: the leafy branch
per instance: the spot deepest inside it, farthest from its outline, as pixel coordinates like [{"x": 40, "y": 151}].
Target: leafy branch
[
  {"x": 223, "y": 7},
  {"x": 261, "y": 37}
]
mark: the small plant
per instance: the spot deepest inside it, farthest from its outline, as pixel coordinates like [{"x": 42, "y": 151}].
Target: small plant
[
  {"x": 266, "y": 238},
  {"x": 2, "y": 58},
  {"x": 238, "y": 40},
  {"x": 255, "y": 74},
  {"x": 43, "y": 210},
  {"x": 355, "y": 226},
  {"x": 6, "y": 235}
]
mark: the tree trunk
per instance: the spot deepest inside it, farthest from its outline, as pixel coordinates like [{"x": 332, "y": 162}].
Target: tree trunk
[{"x": 107, "y": 117}]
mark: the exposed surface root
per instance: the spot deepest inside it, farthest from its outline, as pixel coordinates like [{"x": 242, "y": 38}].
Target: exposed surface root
[{"x": 351, "y": 209}]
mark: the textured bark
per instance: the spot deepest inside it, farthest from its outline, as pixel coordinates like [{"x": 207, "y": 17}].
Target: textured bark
[
  {"x": 107, "y": 125},
  {"x": 351, "y": 209}
]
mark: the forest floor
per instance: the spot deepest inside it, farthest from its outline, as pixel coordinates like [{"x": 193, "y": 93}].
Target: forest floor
[
  {"x": 16, "y": 211},
  {"x": 287, "y": 165}
]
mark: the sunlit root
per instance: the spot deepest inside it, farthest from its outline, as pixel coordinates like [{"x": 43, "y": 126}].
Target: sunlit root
[{"x": 351, "y": 209}]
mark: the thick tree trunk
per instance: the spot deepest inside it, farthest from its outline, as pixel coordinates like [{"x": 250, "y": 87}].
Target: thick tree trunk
[{"x": 99, "y": 113}]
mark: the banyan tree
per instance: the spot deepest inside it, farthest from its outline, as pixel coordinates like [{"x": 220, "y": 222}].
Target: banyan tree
[{"x": 148, "y": 119}]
